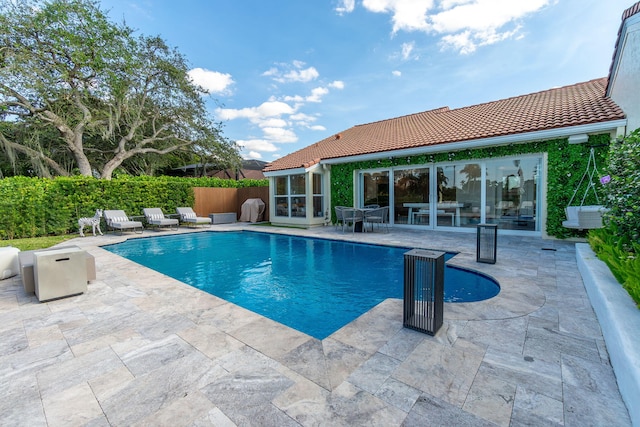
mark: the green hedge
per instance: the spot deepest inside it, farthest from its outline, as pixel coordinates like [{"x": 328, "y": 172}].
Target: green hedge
[
  {"x": 33, "y": 207},
  {"x": 566, "y": 164}
]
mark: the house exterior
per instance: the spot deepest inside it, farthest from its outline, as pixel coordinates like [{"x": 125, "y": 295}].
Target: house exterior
[{"x": 516, "y": 162}]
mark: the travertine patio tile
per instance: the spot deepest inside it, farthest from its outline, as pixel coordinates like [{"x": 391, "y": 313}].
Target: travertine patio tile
[
  {"x": 352, "y": 406},
  {"x": 32, "y": 360},
  {"x": 548, "y": 344},
  {"x": 537, "y": 375},
  {"x": 445, "y": 372},
  {"x": 111, "y": 382},
  {"x": 309, "y": 360},
  {"x": 402, "y": 343},
  {"x": 20, "y": 402},
  {"x": 373, "y": 329},
  {"x": 209, "y": 340},
  {"x": 508, "y": 335},
  {"x": 269, "y": 337},
  {"x": 491, "y": 398},
  {"x": 341, "y": 360},
  {"x": 535, "y": 409},
  {"x": 150, "y": 392},
  {"x": 78, "y": 370},
  {"x": 181, "y": 412},
  {"x": 398, "y": 394},
  {"x": 429, "y": 410},
  {"x": 583, "y": 408},
  {"x": 72, "y": 407},
  {"x": 306, "y": 402},
  {"x": 373, "y": 373},
  {"x": 104, "y": 341},
  {"x": 13, "y": 340},
  {"x": 245, "y": 395}
]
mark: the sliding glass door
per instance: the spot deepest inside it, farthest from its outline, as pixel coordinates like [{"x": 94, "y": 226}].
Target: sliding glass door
[
  {"x": 459, "y": 194},
  {"x": 411, "y": 196}
]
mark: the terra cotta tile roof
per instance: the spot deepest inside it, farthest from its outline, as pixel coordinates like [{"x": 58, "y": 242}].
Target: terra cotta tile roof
[{"x": 579, "y": 104}]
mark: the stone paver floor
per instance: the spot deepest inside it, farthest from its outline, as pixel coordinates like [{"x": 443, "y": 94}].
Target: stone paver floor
[{"x": 140, "y": 348}]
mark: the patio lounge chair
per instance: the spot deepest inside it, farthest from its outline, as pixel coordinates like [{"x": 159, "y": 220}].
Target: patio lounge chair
[
  {"x": 188, "y": 216},
  {"x": 158, "y": 219},
  {"x": 118, "y": 220}
]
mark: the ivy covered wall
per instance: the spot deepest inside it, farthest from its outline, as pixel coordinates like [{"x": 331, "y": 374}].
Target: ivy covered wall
[{"x": 566, "y": 165}]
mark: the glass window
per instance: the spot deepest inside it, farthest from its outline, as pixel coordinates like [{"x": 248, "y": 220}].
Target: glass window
[
  {"x": 411, "y": 196},
  {"x": 468, "y": 211},
  {"x": 512, "y": 188},
  {"x": 375, "y": 188},
  {"x": 281, "y": 185},
  {"x": 298, "y": 184},
  {"x": 290, "y": 196}
]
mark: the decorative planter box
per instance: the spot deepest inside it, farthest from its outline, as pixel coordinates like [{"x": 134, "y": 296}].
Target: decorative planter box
[{"x": 223, "y": 218}]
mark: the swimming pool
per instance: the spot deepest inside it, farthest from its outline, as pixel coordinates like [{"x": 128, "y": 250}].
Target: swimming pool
[{"x": 313, "y": 285}]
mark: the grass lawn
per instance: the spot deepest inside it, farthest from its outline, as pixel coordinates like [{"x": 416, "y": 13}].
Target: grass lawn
[{"x": 35, "y": 242}]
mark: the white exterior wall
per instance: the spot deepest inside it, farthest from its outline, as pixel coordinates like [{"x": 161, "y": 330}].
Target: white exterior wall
[{"x": 625, "y": 77}]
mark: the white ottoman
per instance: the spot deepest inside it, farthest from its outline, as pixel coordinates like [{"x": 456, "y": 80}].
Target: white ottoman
[
  {"x": 9, "y": 266},
  {"x": 59, "y": 273}
]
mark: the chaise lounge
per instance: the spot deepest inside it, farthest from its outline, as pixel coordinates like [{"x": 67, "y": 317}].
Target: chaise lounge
[
  {"x": 118, "y": 220},
  {"x": 188, "y": 216},
  {"x": 158, "y": 219}
]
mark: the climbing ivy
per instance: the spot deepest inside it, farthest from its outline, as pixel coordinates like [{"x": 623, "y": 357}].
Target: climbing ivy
[{"x": 566, "y": 164}]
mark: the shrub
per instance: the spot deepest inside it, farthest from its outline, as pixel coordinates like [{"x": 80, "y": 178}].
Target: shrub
[
  {"x": 32, "y": 207},
  {"x": 618, "y": 244},
  {"x": 622, "y": 187},
  {"x": 624, "y": 264}
]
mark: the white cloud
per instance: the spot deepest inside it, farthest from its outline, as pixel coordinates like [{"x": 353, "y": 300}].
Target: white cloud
[
  {"x": 295, "y": 98},
  {"x": 265, "y": 110},
  {"x": 317, "y": 94},
  {"x": 257, "y": 145},
  {"x": 273, "y": 122},
  {"x": 211, "y": 81},
  {"x": 301, "y": 117},
  {"x": 346, "y": 6},
  {"x": 318, "y": 127},
  {"x": 293, "y": 72},
  {"x": 463, "y": 24},
  {"x": 337, "y": 84},
  {"x": 253, "y": 155},
  {"x": 396, "y": 73},
  {"x": 407, "y": 48},
  {"x": 279, "y": 135}
]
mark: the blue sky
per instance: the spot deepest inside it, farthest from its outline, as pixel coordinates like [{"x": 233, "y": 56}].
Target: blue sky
[{"x": 283, "y": 74}]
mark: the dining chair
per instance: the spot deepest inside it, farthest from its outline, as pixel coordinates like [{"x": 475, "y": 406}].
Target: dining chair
[
  {"x": 378, "y": 216},
  {"x": 352, "y": 216}
]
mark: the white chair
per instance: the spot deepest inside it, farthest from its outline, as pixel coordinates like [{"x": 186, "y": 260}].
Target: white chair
[
  {"x": 339, "y": 219},
  {"x": 188, "y": 216},
  {"x": 352, "y": 216},
  {"x": 378, "y": 216}
]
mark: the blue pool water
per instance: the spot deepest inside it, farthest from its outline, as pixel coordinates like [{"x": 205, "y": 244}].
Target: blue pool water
[{"x": 313, "y": 285}]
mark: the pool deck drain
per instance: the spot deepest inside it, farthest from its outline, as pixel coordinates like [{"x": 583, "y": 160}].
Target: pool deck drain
[{"x": 142, "y": 348}]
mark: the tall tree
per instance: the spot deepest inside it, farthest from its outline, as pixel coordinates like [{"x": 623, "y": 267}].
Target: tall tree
[{"x": 110, "y": 96}]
